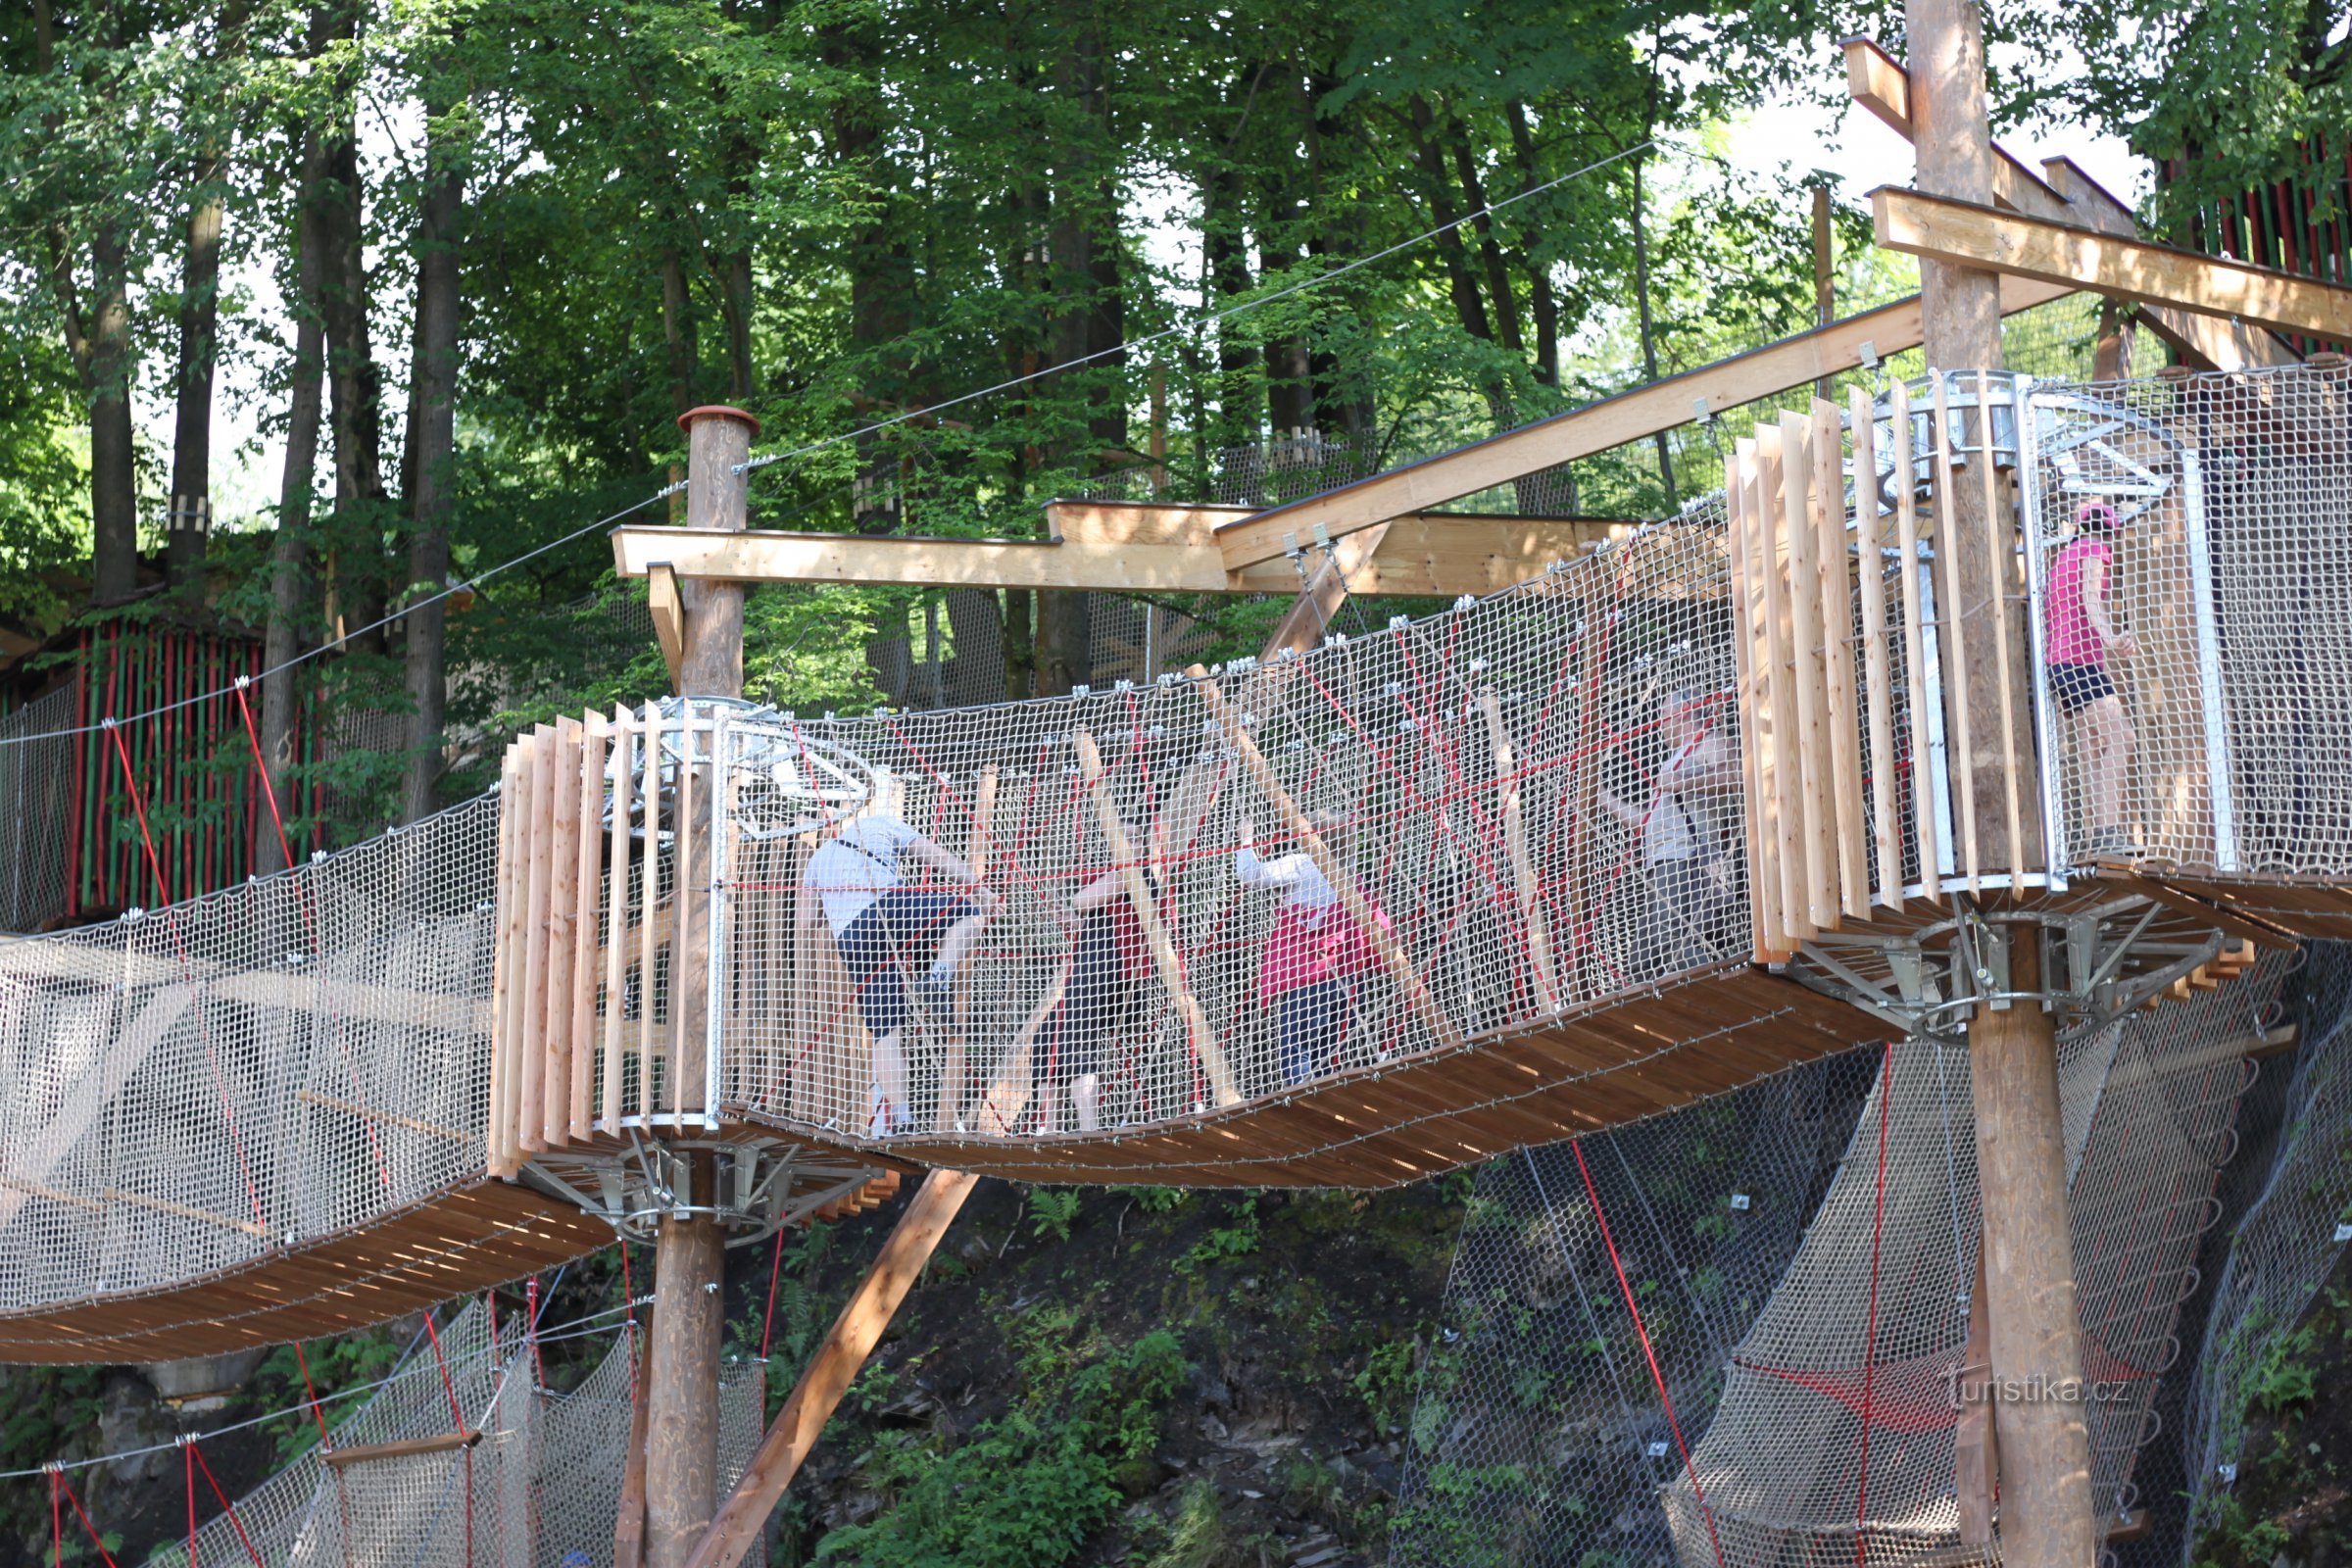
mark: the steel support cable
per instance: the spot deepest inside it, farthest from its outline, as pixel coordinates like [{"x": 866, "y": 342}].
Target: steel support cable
[
  {"x": 1207, "y": 318},
  {"x": 188, "y": 969},
  {"x": 467, "y": 585},
  {"x": 1576, "y": 1146}
]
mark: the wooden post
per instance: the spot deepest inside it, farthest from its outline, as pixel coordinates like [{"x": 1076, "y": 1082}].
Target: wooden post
[
  {"x": 1514, "y": 842},
  {"x": 1155, "y": 932},
  {"x": 681, "y": 1467},
  {"x": 2034, "y": 1339},
  {"x": 1824, "y": 286},
  {"x": 681, "y": 1396},
  {"x": 837, "y": 1361},
  {"x": 1392, "y": 956},
  {"x": 957, "y": 1068}
]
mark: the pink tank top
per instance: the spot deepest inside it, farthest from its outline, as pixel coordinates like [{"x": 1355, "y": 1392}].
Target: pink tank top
[{"x": 2070, "y": 636}]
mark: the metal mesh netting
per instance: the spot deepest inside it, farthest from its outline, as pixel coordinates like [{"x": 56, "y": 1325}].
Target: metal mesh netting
[
  {"x": 543, "y": 1481},
  {"x": 2230, "y": 564},
  {"x": 1494, "y": 843},
  {"x": 2283, "y": 1243},
  {"x": 36, "y": 781},
  {"x": 1543, "y": 1438},
  {"x": 187, "y": 1090}
]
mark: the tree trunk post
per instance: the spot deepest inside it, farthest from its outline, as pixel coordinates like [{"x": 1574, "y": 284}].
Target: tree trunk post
[
  {"x": 681, "y": 1465},
  {"x": 2035, "y": 1341}
]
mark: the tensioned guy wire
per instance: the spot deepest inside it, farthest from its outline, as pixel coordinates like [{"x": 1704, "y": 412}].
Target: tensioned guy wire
[
  {"x": 1208, "y": 318},
  {"x": 1194, "y": 324},
  {"x": 304, "y": 658}
]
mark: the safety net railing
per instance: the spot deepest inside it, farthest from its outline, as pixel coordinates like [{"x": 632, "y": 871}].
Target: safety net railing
[
  {"x": 2193, "y": 550},
  {"x": 191, "y": 1088},
  {"x": 1740, "y": 1332},
  {"x": 535, "y": 1483},
  {"x": 1192, "y": 893}
]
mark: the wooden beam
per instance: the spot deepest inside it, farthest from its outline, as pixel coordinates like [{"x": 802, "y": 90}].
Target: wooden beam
[
  {"x": 846, "y": 1346},
  {"x": 1321, "y": 596},
  {"x": 1439, "y": 554},
  {"x": 2063, "y": 193},
  {"x": 669, "y": 615},
  {"x": 1967, "y": 234},
  {"x": 404, "y": 1449},
  {"x": 1634, "y": 416}
]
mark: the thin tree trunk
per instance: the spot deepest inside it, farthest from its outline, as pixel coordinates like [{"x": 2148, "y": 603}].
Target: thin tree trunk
[
  {"x": 289, "y": 553},
  {"x": 355, "y": 383},
  {"x": 1498, "y": 278},
  {"x": 1468, "y": 305},
  {"x": 1228, "y": 263},
  {"x": 435, "y": 399},
  {"x": 114, "y": 485},
  {"x": 1541, "y": 304},
  {"x": 192, "y": 506}
]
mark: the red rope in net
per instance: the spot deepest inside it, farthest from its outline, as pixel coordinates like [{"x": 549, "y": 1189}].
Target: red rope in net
[
  {"x": 57, "y": 1529},
  {"x": 1869, "y": 1337},
  {"x": 1576, "y": 1146},
  {"x": 310, "y": 919},
  {"x": 229, "y": 1509},
  {"x": 767, "y": 1322},
  {"x": 204, "y": 1033}
]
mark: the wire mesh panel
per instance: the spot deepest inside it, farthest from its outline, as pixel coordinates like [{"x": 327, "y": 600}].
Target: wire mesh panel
[
  {"x": 2195, "y": 535},
  {"x": 193, "y": 1088},
  {"x": 541, "y": 1484},
  {"x": 1540, "y": 1436},
  {"x": 1202, "y": 891}
]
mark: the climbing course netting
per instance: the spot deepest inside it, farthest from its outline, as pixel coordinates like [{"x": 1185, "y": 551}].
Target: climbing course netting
[
  {"x": 1442, "y": 829},
  {"x": 1731, "y": 1335},
  {"x": 541, "y": 1482},
  {"x": 2219, "y": 508},
  {"x": 191, "y": 1088},
  {"x": 2286, "y": 1231}
]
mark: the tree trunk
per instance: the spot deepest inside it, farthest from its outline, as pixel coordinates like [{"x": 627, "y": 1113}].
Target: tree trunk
[
  {"x": 192, "y": 506},
  {"x": 1490, "y": 251},
  {"x": 1469, "y": 305},
  {"x": 434, "y": 459},
  {"x": 355, "y": 384},
  {"x": 1228, "y": 265},
  {"x": 1541, "y": 304},
  {"x": 114, "y": 484},
  {"x": 290, "y": 551}
]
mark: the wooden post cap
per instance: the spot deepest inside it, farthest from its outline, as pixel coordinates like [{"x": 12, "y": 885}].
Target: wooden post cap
[{"x": 717, "y": 411}]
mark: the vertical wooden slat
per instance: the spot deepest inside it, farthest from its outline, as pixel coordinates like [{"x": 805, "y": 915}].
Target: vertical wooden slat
[
  {"x": 1960, "y": 750},
  {"x": 1915, "y": 647},
  {"x": 650, "y": 885},
  {"x": 1837, "y": 654},
  {"x": 530, "y": 1102},
  {"x": 562, "y": 937},
  {"x": 1755, "y": 715},
  {"x": 1877, "y": 676},
  {"x": 507, "y": 984},
  {"x": 1808, "y": 667},
  {"x": 616, "y": 919},
  {"x": 1523, "y": 866},
  {"x": 687, "y": 906},
  {"x": 581, "y": 1099},
  {"x": 1999, "y": 541},
  {"x": 1767, "y": 548}
]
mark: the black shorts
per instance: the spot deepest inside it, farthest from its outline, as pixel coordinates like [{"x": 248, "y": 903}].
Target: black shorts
[
  {"x": 898, "y": 935},
  {"x": 2077, "y": 686}
]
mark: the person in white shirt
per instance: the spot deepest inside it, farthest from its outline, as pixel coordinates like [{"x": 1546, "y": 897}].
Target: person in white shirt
[
  {"x": 1681, "y": 834},
  {"x": 886, "y": 930}
]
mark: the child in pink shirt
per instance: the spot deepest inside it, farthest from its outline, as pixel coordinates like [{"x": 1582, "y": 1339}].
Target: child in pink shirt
[
  {"x": 1312, "y": 955},
  {"x": 2077, "y": 637}
]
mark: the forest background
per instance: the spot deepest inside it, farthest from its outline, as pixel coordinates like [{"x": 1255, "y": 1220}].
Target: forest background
[{"x": 464, "y": 262}]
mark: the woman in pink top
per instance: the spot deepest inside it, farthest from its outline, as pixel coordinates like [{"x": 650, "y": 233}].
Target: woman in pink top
[
  {"x": 1307, "y": 971},
  {"x": 2079, "y": 636}
]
